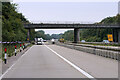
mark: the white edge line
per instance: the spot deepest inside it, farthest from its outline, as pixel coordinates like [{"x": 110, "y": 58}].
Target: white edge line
[
  {"x": 73, "y": 65},
  {"x": 13, "y": 64}
]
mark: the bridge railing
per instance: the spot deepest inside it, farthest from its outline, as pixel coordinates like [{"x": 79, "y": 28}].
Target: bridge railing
[
  {"x": 63, "y": 22},
  {"x": 71, "y": 22}
]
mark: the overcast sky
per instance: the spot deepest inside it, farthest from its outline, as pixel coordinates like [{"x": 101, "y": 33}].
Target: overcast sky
[
  {"x": 65, "y": 0},
  {"x": 82, "y": 11}
]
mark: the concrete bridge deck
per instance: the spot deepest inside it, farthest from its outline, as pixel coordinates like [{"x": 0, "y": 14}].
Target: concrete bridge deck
[{"x": 72, "y": 25}]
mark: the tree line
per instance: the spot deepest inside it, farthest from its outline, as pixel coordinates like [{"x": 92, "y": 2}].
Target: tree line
[
  {"x": 12, "y": 24},
  {"x": 12, "y": 27},
  {"x": 94, "y": 35},
  {"x": 41, "y": 34}
]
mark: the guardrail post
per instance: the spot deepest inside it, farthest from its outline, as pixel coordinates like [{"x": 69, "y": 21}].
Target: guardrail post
[
  {"x": 5, "y": 56},
  {"x": 23, "y": 46},
  {"x": 20, "y": 47},
  {"x": 15, "y": 50}
]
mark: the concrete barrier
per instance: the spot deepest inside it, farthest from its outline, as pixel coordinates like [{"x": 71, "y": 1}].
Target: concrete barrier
[
  {"x": 96, "y": 46},
  {"x": 100, "y": 52}
]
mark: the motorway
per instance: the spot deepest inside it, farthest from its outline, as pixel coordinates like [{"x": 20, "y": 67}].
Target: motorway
[{"x": 52, "y": 61}]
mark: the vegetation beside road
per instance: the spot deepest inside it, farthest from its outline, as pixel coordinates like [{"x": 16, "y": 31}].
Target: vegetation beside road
[
  {"x": 12, "y": 27},
  {"x": 41, "y": 34},
  {"x": 10, "y": 49},
  {"x": 12, "y": 21},
  {"x": 94, "y": 35}
]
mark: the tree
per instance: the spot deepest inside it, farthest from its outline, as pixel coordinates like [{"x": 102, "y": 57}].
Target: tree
[
  {"x": 48, "y": 37},
  {"x": 68, "y": 35},
  {"x": 12, "y": 21},
  {"x": 40, "y": 34}
]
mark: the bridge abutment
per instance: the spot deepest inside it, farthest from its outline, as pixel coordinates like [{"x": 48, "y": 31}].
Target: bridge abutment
[
  {"x": 116, "y": 35},
  {"x": 28, "y": 35},
  {"x": 76, "y": 35}
]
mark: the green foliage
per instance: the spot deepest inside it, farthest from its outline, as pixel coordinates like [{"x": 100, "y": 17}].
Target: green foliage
[
  {"x": 32, "y": 34},
  {"x": 55, "y": 36},
  {"x": 94, "y": 35},
  {"x": 111, "y": 20},
  {"x": 12, "y": 29},
  {"x": 10, "y": 49},
  {"x": 47, "y": 37},
  {"x": 41, "y": 34},
  {"x": 68, "y": 35},
  {"x": 98, "y": 35},
  {"x": 118, "y": 19}
]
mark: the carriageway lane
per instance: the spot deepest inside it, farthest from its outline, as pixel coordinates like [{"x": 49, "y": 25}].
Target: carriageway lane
[
  {"x": 40, "y": 62},
  {"x": 97, "y": 66}
]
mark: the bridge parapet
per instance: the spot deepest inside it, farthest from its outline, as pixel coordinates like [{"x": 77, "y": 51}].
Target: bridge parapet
[{"x": 62, "y": 22}]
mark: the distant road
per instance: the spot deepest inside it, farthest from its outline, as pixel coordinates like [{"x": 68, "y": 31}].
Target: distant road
[{"x": 52, "y": 61}]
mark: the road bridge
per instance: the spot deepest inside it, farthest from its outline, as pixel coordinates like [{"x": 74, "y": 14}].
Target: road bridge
[{"x": 76, "y": 27}]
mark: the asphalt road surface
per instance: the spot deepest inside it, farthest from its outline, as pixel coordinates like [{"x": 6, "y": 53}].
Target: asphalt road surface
[{"x": 52, "y": 61}]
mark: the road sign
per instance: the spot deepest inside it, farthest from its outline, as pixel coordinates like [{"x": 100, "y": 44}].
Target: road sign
[{"x": 110, "y": 37}]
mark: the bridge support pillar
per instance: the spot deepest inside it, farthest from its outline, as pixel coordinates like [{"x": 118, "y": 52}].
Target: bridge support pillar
[
  {"x": 76, "y": 35},
  {"x": 28, "y": 35},
  {"x": 116, "y": 35}
]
